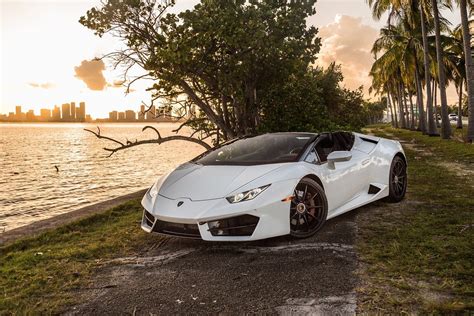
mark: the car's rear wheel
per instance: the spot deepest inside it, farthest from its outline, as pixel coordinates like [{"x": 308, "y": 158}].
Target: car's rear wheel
[
  {"x": 398, "y": 180},
  {"x": 308, "y": 210}
]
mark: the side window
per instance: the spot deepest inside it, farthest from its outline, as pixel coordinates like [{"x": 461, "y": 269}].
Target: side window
[
  {"x": 343, "y": 140},
  {"x": 324, "y": 147},
  {"x": 312, "y": 157}
]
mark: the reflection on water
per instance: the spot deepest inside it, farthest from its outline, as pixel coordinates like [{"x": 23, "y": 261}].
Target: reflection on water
[{"x": 31, "y": 189}]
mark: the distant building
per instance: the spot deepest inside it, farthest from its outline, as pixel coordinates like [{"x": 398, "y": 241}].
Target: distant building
[
  {"x": 73, "y": 111},
  {"x": 121, "y": 116},
  {"x": 18, "y": 110},
  {"x": 141, "y": 114},
  {"x": 30, "y": 115},
  {"x": 45, "y": 115},
  {"x": 130, "y": 115},
  {"x": 56, "y": 114},
  {"x": 113, "y": 116},
  {"x": 81, "y": 112},
  {"x": 151, "y": 114},
  {"x": 66, "y": 112}
]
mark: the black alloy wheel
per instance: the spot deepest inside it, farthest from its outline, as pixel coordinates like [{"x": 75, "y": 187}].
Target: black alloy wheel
[
  {"x": 398, "y": 180},
  {"x": 308, "y": 210}
]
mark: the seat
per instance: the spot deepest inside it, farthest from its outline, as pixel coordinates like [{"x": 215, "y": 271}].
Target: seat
[{"x": 324, "y": 146}]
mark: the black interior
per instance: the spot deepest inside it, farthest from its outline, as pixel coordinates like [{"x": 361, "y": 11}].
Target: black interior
[{"x": 335, "y": 141}]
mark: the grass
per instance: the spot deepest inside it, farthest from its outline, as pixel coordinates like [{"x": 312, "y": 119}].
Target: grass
[
  {"x": 448, "y": 149},
  {"x": 38, "y": 275},
  {"x": 419, "y": 256}
]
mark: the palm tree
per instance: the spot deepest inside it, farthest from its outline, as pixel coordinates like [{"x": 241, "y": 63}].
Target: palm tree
[
  {"x": 456, "y": 64},
  {"x": 469, "y": 66},
  {"x": 432, "y": 130},
  {"x": 446, "y": 125},
  {"x": 400, "y": 45},
  {"x": 408, "y": 13}
]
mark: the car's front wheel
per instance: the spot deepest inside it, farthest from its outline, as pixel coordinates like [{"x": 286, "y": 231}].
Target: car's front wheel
[{"x": 308, "y": 210}]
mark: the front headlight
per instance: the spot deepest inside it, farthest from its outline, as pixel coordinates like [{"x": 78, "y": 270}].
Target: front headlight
[
  {"x": 155, "y": 188},
  {"x": 247, "y": 195},
  {"x": 153, "y": 191}
]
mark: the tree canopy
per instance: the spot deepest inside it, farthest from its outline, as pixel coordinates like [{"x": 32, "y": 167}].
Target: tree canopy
[{"x": 228, "y": 67}]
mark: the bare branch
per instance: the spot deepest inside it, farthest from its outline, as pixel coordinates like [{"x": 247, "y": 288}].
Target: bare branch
[
  {"x": 98, "y": 135},
  {"x": 159, "y": 140},
  {"x": 151, "y": 127}
]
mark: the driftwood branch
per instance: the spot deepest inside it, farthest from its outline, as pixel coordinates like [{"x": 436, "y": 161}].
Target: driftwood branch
[{"x": 158, "y": 140}]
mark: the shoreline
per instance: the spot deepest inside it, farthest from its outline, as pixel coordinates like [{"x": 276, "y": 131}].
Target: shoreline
[{"x": 41, "y": 226}]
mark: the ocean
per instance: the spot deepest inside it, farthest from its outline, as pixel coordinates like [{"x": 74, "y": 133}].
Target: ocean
[{"x": 31, "y": 188}]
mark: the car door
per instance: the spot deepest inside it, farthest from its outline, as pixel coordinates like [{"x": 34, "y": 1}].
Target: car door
[{"x": 347, "y": 180}]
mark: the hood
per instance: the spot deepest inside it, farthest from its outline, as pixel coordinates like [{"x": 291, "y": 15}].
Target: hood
[{"x": 198, "y": 182}]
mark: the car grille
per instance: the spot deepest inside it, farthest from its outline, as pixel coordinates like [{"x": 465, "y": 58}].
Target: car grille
[{"x": 176, "y": 229}]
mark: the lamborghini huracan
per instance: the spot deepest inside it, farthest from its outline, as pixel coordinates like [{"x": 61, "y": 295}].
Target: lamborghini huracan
[{"x": 275, "y": 184}]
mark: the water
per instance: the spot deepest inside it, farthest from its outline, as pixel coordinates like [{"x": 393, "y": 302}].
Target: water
[{"x": 31, "y": 189}]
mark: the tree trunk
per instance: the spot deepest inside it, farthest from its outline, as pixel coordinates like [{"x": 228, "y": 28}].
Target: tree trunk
[
  {"x": 395, "y": 117},
  {"x": 469, "y": 70},
  {"x": 429, "y": 97},
  {"x": 412, "y": 113},
  {"x": 389, "y": 103},
  {"x": 459, "y": 124},
  {"x": 405, "y": 106},
  {"x": 446, "y": 127},
  {"x": 400, "y": 108},
  {"x": 419, "y": 97},
  {"x": 435, "y": 99}
]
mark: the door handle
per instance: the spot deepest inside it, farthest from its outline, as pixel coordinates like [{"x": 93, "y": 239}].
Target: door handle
[{"x": 365, "y": 162}]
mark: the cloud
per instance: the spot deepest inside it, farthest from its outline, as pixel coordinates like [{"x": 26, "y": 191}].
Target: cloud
[
  {"x": 90, "y": 72},
  {"x": 46, "y": 85},
  {"x": 348, "y": 42},
  {"x": 117, "y": 84}
]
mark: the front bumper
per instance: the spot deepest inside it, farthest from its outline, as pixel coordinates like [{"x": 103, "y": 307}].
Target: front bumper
[{"x": 218, "y": 220}]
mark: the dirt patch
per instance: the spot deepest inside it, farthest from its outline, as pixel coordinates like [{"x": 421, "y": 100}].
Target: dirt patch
[
  {"x": 461, "y": 170},
  {"x": 280, "y": 275}
]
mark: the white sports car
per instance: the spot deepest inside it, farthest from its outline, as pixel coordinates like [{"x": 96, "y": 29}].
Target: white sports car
[{"x": 274, "y": 184}]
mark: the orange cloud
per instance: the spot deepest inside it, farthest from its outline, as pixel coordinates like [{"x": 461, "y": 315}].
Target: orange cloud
[
  {"x": 90, "y": 72},
  {"x": 348, "y": 42},
  {"x": 46, "y": 85}
]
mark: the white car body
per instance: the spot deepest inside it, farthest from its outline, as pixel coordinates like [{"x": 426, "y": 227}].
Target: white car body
[
  {"x": 195, "y": 194},
  {"x": 453, "y": 117}
]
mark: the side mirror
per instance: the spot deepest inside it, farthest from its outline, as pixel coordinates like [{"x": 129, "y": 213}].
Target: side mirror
[{"x": 338, "y": 156}]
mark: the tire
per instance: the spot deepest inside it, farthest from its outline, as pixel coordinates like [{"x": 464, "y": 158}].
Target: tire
[
  {"x": 308, "y": 209},
  {"x": 397, "y": 180}
]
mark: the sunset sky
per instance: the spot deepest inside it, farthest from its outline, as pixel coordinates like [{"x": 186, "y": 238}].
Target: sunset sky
[{"x": 45, "y": 53}]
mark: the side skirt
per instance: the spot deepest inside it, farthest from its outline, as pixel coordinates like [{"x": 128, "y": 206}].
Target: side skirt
[{"x": 362, "y": 199}]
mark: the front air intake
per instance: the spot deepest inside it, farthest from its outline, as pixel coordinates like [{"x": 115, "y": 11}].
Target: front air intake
[{"x": 234, "y": 226}]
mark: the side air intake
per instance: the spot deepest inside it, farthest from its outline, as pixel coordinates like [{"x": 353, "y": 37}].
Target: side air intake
[{"x": 373, "y": 189}]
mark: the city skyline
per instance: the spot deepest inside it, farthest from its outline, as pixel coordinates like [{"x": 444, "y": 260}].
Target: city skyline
[{"x": 69, "y": 112}]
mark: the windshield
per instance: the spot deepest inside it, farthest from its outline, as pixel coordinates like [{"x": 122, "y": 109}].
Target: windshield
[{"x": 263, "y": 149}]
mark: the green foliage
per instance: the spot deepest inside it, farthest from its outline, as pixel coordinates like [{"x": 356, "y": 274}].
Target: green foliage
[
  {"x": 220, "y": 57},
  {"x": 313, "y": 101},
  {"x": 237, "y": 66}
]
